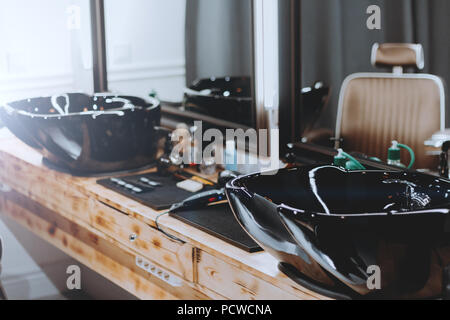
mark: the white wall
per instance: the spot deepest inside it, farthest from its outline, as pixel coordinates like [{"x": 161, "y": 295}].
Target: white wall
[
  {"x": 145, "y": 46},
  {"x": 37, "y": 57},
  {"x": 41, "y": 55}
]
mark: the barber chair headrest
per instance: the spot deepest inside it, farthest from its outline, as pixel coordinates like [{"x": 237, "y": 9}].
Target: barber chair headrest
[{"x": 397, "y": 55}]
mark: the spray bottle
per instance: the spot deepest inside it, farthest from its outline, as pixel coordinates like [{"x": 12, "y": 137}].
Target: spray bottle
[{"x": 394, "y": 155}]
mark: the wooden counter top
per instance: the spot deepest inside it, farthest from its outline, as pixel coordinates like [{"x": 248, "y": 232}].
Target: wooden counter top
[{"x": 110, "y": 233}]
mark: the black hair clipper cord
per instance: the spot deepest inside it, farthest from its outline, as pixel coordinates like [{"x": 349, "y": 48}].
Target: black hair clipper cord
[
  {"x": 200, "y": 200},
  {"x": 206, "y": 198},
  {"x": 209, "y": 211}
]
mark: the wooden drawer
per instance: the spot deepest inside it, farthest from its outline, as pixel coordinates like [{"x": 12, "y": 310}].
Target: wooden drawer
[
  {"x": 98, "y": 251},
  {"x": 143, "y": 239},
  {"x": 235, "y": 283}
]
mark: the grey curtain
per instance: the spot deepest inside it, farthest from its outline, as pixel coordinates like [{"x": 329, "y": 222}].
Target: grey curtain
[
  {"x": 336, "y": 42},
  {"x": 218, "y": 38}
]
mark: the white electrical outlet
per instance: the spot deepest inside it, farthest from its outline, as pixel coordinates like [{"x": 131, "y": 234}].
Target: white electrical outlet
[{"x": 165, "y": 276}]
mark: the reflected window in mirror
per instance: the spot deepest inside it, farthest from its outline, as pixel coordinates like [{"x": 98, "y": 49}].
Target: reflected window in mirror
[
  {"x": 45, "y": 48},
  {"x": 194, "y": 55}
]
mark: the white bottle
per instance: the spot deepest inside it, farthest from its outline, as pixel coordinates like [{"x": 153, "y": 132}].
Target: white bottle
[{"x": 230, "y": 156}]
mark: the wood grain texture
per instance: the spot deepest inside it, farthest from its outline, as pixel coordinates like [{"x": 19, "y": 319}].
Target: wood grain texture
[
  {"x": 233, "y": 282},
  {"x": 95, "y": 250},
  {"x": 111, "y": 217},
  {"x": 149, "y": 242}
]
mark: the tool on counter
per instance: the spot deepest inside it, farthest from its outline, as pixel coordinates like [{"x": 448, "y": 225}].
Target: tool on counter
[
  {"x": 202, "y": 181},
  {"x": 206, "y": 198},
  {"x": 190, "y": 185},
  {"x": 150, "y": 182},
  {"x": 128, "y": 186},
  {"x": 200, "y": 200}
]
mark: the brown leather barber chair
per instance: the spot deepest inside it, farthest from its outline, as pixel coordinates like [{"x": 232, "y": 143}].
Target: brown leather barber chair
[{"x": 377, "y": 108}]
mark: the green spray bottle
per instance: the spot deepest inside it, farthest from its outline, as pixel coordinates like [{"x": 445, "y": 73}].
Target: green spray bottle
[{"x": 394, "y": 155}]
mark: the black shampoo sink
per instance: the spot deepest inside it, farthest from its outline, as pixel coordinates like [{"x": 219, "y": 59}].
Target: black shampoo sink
[
  {"x": 87, "y": 134},
  {"x": 228, "y": 98},
  {"x": 335, "y": 226}
]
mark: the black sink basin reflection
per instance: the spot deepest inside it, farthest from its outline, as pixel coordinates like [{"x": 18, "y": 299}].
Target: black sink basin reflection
[
  {"x": 334, "y": 226},
  {"x": 85, "y": 134},
  {"x": 228, "y": 98}
]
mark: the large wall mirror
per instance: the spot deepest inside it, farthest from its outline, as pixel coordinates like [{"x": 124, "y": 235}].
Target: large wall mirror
[
  {"x": 336, "y": 43},
  {"x": 195, "y": 55}
]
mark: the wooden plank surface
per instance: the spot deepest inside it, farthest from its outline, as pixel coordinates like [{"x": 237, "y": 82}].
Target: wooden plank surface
[
  {"x": 81, "y": 201},
  {"x": 92, "y": 248}
]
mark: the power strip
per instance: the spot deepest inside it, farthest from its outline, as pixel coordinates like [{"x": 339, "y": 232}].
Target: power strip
[{"x": 165, "y": 276}]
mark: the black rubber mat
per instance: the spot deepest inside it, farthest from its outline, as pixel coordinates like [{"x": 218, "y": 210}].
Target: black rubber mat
[
  {"x": 219, "y": 221},
  {"x": 157, "y": 198}
]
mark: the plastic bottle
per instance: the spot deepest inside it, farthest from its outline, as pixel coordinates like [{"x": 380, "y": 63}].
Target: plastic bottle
[
  {"x": 394, "y": 155},
  {"x": 340, "y": 160},
  {"x": 231, "y": 156}
]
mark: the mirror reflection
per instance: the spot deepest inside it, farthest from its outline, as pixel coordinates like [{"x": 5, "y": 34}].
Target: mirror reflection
[
  {"x": 200, "y": 65},
  {"x": 385, "y": 84}
]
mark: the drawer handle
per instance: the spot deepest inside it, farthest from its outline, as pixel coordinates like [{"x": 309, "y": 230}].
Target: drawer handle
[{"x": 133, "y": 237}]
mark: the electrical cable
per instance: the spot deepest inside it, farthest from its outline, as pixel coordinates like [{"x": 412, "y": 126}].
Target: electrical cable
[{"x": 164, "y": 232}]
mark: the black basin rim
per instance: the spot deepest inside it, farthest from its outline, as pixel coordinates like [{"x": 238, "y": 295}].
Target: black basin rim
[
  {"x": 195, "y": 93},
  {"x": 234, "y": 185},
  {"x": 154, "y": 105}
]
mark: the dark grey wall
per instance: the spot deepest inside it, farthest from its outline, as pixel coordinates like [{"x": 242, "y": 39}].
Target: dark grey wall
[
  {"x": 336, "y": 41},
  {"x": 218, "y": 38}
]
